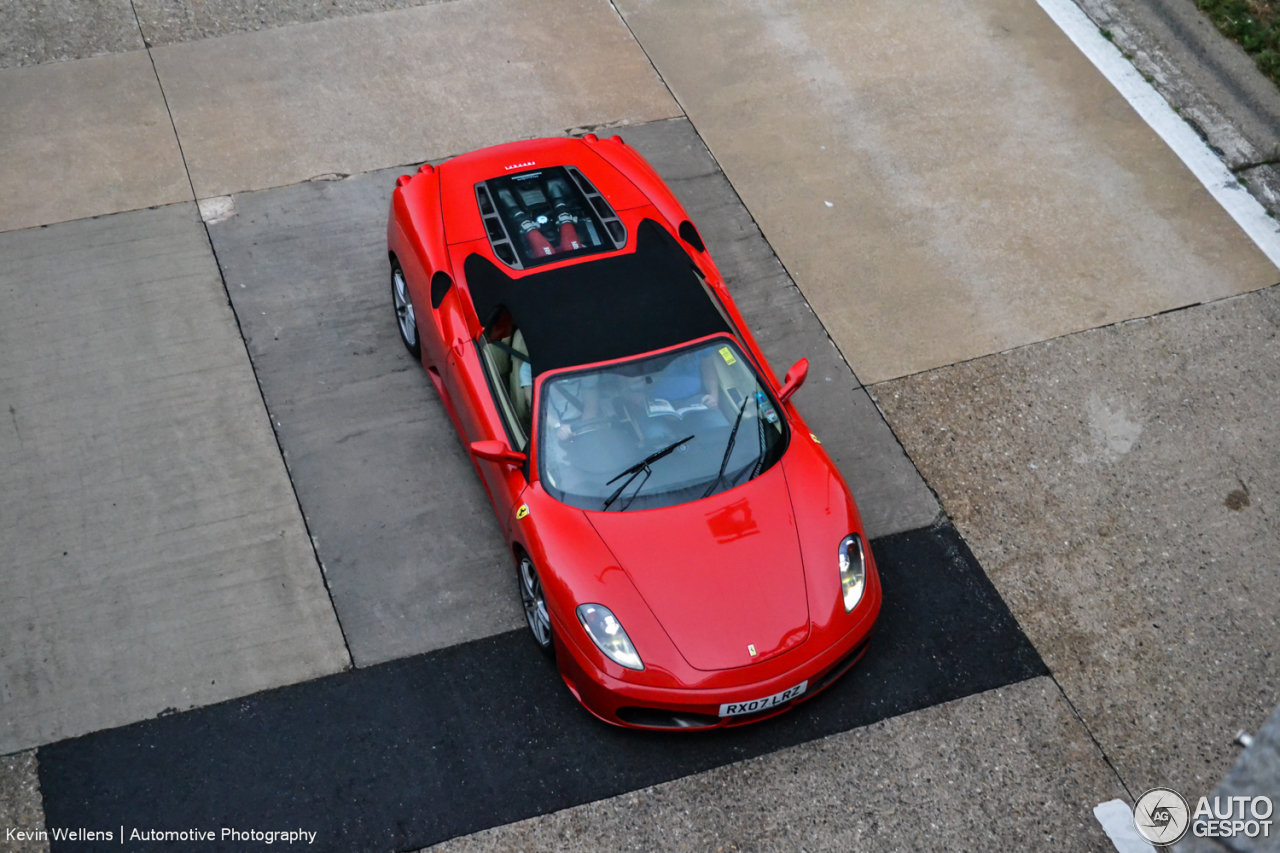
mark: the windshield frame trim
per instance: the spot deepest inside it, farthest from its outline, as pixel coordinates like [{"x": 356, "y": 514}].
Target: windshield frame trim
[{"x": 533, "y": 471}]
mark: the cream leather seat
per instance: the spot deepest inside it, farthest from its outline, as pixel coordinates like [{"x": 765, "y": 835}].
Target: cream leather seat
[{"x": 520, "y": 396}]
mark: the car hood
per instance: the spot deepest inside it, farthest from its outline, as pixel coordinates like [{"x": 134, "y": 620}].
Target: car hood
[{"x": 720, "y": 574}]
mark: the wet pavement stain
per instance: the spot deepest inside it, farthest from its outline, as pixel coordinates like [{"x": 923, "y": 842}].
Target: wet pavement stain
[{"x": 1237, "y": 500}]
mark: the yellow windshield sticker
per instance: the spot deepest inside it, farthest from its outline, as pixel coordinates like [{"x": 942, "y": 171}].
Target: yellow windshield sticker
[
  {"x": 727, "y": 355},
  {"x": 522, "y": 511}
]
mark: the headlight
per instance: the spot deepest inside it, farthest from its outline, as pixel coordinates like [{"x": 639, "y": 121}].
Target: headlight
[
  {"x": 607, "y": 633},
  {"x": 853, "y": 570}
]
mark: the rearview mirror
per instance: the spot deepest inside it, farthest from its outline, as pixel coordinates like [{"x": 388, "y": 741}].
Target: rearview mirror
[
  {"x": 795, "y": 378},
  {"x": 496, "y": 451}
]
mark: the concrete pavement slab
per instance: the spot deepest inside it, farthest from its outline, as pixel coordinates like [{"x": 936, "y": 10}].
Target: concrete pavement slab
[
  {"x": 172, "y": 21},
  {"x": 85, "y": 138},
  {"x": 52, "y": 30},
  {"x": 890, "y": 492},
  {"x": 947, "y": 184},
  {"x": 403, "y": 526},
  {"x": 1010, "y": 769},
  {"x": 154, "y": 554},
  {"x": 1120, "y": 486},
  {"x": 21, "y": 809},
  {"x": 350, "y": 95}
]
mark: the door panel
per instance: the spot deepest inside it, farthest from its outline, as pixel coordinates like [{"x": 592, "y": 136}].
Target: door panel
[{"x": 474, "y": 404}]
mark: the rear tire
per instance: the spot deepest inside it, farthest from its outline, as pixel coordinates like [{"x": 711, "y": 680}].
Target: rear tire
[
  {"x": 535, "y": 605},
  {"x": 406, "y": 319}
]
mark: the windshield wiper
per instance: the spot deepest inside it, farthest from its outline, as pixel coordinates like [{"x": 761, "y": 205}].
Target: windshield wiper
[
  {"x": 634, "y": 471},
  {"x": 755, "y": 469},
  {"x": 733, "y": 437}
]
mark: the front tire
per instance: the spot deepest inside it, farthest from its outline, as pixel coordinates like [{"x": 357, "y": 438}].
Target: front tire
[
  {"x": 535, "y": 605},
  {"x": 406, "y": 320}
]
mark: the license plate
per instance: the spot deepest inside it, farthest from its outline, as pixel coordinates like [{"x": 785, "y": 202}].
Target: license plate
[{"x": 733, "y": 709}]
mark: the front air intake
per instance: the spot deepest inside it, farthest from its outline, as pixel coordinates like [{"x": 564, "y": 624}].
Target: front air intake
[{"x": 660, "y": 719}]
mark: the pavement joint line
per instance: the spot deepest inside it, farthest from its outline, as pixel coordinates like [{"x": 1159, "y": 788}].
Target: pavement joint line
[
  {"x": 275, "y": 434},
  {"x": 169, "y": 112},
  {"x": 1193, "y": 151},
  {"x": 1144, "y": 318},
  {"x": 1085, "y": 725},
  {"x": 622, "y": 20},
  {"x": 412, "y": 165}
]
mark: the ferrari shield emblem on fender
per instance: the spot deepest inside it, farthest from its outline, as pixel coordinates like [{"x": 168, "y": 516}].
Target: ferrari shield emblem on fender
[
  {"x": 751, "y": 647},
  {"x": 522, "y": 511}
]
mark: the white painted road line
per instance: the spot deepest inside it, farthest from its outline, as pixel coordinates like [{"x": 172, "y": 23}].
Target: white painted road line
[
  {"x": 1177, "y": 134},
  {"x": 1117, "y": 822}
]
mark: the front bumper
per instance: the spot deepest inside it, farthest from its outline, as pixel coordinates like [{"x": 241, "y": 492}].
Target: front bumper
[{"x": 631, "y": 705}]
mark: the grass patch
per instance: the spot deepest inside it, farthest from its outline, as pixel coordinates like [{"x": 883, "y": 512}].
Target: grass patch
[{"x": 1254, "y": 24}]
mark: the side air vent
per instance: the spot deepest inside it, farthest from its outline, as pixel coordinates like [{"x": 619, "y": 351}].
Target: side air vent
[
  {"x": 617, "y": 231},
  {"x": 494, "y": 227},
  {"x": 440, "y": 284},
  {"x": 691, "y": 236}
]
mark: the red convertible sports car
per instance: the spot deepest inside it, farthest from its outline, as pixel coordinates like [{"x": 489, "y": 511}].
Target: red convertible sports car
[{"x": 682, "y": 544}]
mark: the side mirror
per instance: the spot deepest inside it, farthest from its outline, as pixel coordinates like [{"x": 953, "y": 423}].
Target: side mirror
[
  {"x": 496, "y": 451},
  {"x": 795, "y": 378}
]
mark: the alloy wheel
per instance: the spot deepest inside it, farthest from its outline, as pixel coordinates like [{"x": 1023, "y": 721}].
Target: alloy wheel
[
  {"x": 404, "y": 309},
  {"x": 535, "y": 604}
]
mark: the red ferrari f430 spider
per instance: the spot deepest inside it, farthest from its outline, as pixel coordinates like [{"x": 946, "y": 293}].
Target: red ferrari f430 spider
[{"x": 681, "y": 542}]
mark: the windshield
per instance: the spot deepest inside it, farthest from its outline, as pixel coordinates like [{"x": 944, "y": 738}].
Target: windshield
[{"x": 657, "y": 430}]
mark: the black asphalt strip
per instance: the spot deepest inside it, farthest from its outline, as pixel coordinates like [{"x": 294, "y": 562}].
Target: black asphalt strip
[{"x": 405, "y": 754}]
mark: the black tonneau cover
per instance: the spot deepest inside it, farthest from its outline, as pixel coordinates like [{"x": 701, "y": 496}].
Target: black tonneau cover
[{"x": 603, "y": 309}]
